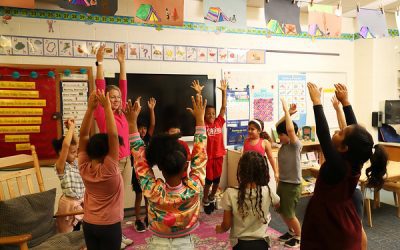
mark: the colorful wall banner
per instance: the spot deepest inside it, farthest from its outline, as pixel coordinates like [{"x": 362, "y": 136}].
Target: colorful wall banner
[
  {"x": 230, "y": 13},
  {"x": 166, "y": 12}
]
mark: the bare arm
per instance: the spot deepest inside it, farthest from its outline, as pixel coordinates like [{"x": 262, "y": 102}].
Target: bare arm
[
  {"x": 226, "y": 222},
  {"x": 289, "y": 124},
  {"x": 121, "y": 60},
  {"x": 112, "y": 132},
  {"x": 271, "y": 159},
  {"x": 87, "y": 122},
  {"x": 152, "y": 104},
  {"x": 62, "y": 158},
  {"x": 292, "y": 111},
  {"x": 223, "y": 88},
  {"x": 339, "y": 113}
]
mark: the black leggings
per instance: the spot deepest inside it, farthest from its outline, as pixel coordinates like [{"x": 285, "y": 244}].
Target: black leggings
[
  {"x": 251, "y": 244},
  {"x": 98, "y": 237}
]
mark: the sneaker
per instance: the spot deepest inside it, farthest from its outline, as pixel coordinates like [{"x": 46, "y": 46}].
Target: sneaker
[
  {"x": 213, "y": 200},
  {"x": 146, "y": 221},
  {"x": 126, "y": 241},
  {"x": 293, "y": 242},
  {"x": 285, "y": 237},
  {"x": 139, "y": 226},
  {"x": 123, "y": 245}
]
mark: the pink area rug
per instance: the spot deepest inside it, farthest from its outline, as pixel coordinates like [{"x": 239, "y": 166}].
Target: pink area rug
[{"x": 204, "y": 236}]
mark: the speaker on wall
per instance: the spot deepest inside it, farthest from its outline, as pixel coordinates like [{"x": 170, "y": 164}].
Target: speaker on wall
[{"x": 377, "y": 119}]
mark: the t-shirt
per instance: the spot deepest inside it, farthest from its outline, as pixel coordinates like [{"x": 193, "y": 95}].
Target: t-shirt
[
  {"x": 120, "y": 119},
  {"x": 289, "y": 162},
  {"x": 215, "y": 138},
  {"x": 250, "y": 227},
  {"x": 104, "y": 194}
]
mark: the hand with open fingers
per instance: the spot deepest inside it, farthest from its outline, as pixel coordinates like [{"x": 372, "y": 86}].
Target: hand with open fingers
[
  {"x": 335, "y": 103},
  {"x": 100, "y": 53},
  {"x": 199, "y": 108},
  {"x": 292, "y": 108},
  {"x": 104, "y": 100},
  {"x": 93, "y": 101},
  {"x": 315, "y": 93},
  {"x": 197, "y": 87},
  {"x": 151, "y": 103},
  {"x": 132, "y": 111},
  {"x": 224, "y": 85},
  {"x": 342, "y": 93},
  {"x": 121, "y": 53}
]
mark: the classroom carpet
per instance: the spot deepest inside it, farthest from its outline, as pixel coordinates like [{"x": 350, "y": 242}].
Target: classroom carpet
[
  {"x": 204, "y": 236},
  {"x": 385, "y": 233}
]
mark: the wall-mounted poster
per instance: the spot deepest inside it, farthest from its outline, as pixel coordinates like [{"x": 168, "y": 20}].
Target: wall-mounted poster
[
  {"x": 100, "y": 7},
  {"x": 165, "y": 12},
  {"x": 230, "y": 13}
]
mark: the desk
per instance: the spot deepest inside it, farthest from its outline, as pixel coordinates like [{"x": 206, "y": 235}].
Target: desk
[{"x": 392, "y": 149}]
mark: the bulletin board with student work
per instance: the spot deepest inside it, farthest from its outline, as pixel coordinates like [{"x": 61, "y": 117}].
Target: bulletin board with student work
[
  {"x": 34, "y": 102},
  {"x": 266, "y": 89}
]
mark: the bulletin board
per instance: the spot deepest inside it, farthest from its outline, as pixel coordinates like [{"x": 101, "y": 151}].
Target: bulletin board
[
  {"x": 30, "y": 107},
  {"x": 266, "y": 87}
]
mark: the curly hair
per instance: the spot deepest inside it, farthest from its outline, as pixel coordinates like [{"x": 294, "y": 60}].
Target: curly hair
[
  {"x": 167, "y": 153},
  {"x": 252, "y": 169},
  {"x": 57, "y": 144}
]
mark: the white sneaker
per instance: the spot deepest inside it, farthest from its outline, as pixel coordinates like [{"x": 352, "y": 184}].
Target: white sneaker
[
  {"x": 126, "y": 241},
  {"x": 123, "y": 245}
]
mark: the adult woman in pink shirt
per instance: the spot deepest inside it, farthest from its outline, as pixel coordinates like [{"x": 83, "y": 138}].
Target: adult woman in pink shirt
[{"x": 118, "y": 97}]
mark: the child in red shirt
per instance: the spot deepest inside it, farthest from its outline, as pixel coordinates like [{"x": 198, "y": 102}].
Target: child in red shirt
[{"x": 215, "y": 147}]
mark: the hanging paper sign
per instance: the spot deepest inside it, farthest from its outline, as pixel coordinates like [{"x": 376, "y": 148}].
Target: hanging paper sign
[
  {"x": 282, "y": 16},
  {"x": 166, "y": 12},
  {"x": 100, "y": 7},
  {"x": 28, "y": 4},
  {"x": 230, "y": 13}
]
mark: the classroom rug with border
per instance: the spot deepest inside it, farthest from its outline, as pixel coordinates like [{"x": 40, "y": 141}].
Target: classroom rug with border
[{"x": 204, "y": 236}]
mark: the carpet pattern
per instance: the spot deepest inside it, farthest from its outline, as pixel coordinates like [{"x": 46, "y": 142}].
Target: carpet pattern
[{"x": 204, "y": 236}]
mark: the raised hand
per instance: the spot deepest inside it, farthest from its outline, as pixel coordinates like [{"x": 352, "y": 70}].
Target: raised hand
[
  {"x": 224, "y": 85},
  {"x": 69, "y": 122},
  {"x": 104, "y": 100},
  {"x": 315, "y": 93},
  {"x": 151, "y": 103},
  {"x": 197, "y": 87},
  {"x": 121, "y": 53},
  {"x": 292, "y": 109},
  {"x": 335, "y": 103},
  {"x": 93, "y": 101},
  {"x": 100, "y": 53},
  {"x": 132, "y": 111},
  {"x": 284, "y": 105},
  {"x": 199, "y": 108},
  {"x": 342, "y": 94}
]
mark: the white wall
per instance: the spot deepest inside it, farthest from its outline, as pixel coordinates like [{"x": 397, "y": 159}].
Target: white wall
[{"x": 369, "y": 65}]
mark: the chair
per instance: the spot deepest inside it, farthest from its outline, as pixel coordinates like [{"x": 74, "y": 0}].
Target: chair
[
  {"x": 20, "y": 183},
  {"x": 395, "y": 188}
]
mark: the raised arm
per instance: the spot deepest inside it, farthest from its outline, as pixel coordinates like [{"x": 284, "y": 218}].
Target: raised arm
[
  {"x": 152, "y": 104},
  {"x": 100, "y": 85},
  {"x": 292, "y": 111},
  {"x": 335, "y": 169},
  {"x": 339, "y": 113},
  {"x": 87, "y": 122},
  {"x": 122, "y": 75},
  {"x": 99, "y": 64},
  {"x": 289, "y": 124},
  {"x": 197, "y": 87},
  {"x": 343, "y": 96},
  {"x": 112, "y": 132},
  {"x": 223, "y": 88},
  {"x": 271, "y": 159},
  {"x": 199, "y": 153},
  {"x": 62, "y": 158}
]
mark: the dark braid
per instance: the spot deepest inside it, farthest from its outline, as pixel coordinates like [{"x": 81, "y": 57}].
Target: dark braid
[{"x": 252, "y": 169}]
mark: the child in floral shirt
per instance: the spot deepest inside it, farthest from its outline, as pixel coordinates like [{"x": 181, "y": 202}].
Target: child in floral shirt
[{"x": 173, "y": 206}]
